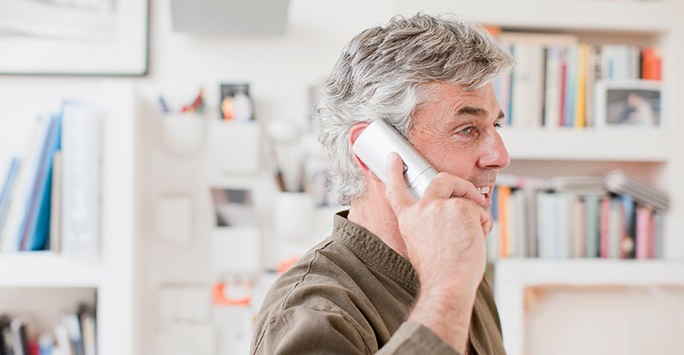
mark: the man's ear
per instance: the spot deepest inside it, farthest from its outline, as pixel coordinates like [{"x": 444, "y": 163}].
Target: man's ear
[{"x": 355, "y": 132}]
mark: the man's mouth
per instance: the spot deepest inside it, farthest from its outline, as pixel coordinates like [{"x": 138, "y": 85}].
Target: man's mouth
[{"x": 484, "y": 190}]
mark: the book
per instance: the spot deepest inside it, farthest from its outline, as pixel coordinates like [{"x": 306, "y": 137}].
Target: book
[
  {"x": 657, "y": 231},
  {"x": 628, "y": 240},
  {"x": 618, "y": 182},
  {"x": 73, "y": 328},
  {"x": 577, "y": 228},
  {"x": 55, "y": 204},
  {"x": 579, "y": 119},
  {"x": 531, "y": 213},
  {"x": 616, "y": 228},
  {"x": 528, "y": 85},
  {"x": 552, "y": 87},
  {"x": 5, "y": 335},
  {"x": 504, "y": 196},
  {"x": 529, "y": 77},
  {"x": 502, "y": 87},
  {"x": 644, "y": 237},
  {"x": 62, "y": 341},
  {"x": 593, "y": 225},
  {"x": 81, "y": 178},
  {"x": 571, "y": 63},
  {"x": 7, "y": 190},
  {"x": 604, "y": 227},
  {"x": 19, "y": 337},
  {"x": 27, "y": 177},
  {"x": 591, "y": 76},
  {"x": 545, "y": 225},
  {"x": 86, "y": 317},
  {"x": 651, "y": 64},
  {"x": 493, "y": 239},
  {"x": 36, "y": 230}
]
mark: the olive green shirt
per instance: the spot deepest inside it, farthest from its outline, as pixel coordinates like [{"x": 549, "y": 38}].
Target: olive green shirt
[{"x": 352, "y": 294}]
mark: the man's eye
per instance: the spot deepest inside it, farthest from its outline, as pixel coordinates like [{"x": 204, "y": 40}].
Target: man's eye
[
  {"x": 497, "y": 125},
  {"x": 467, "y": 131}
]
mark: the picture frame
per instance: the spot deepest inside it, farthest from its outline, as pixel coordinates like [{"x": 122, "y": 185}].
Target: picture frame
[
  {"x": 234, "y": 207},
  {"x": 628, "y": 103},
  {"x": 51, "y": 37}
]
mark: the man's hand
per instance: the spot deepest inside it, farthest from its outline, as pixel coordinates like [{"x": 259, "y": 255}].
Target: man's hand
[{"x": 444, "y": 234}]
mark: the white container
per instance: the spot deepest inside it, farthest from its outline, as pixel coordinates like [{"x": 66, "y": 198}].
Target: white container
[
  {"x": 293, "y": 215},
  {"x": 183, "y": 134}
]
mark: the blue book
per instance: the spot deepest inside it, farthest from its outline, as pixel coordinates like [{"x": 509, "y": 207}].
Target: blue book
[
  {"x": 628, "y": 243},
  {"x": 37, "y": 230},
  {"x": 495, "y": 203},
  {"x": 27, "y": 176},
  {"x": 7, "y": 189},
  {"x": 39, "y": 202},
  {"x": 572, "y": 59}
]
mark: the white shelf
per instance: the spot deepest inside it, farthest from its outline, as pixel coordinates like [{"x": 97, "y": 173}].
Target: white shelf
[
  {"x": 632, "y": 145},
  {"x": 653, "y": 16},
  {"x": 47, "y": 269},
  {"x": 590, "y": 272},
  {"x": 512, "y": 277}
]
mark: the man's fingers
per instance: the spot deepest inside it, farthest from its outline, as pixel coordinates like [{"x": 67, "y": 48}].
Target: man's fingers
[
  {"x": 487, "y": 222},
  {"x": 446, "y": 186},
  {"x": 398, "y": 195}
]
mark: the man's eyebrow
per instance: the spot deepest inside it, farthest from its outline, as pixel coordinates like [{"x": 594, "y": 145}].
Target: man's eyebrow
[
  {"x": 471, "y": 111},
  {"x": 476, "y": 111}
]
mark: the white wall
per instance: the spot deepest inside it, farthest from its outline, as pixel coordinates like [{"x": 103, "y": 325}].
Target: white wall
[{"x": 280, "y": 71}]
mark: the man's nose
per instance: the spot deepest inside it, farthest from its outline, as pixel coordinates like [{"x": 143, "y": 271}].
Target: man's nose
[{"x": 494, "y": 155}]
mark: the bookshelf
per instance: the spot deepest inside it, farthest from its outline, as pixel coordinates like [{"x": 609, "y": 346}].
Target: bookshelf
[
  {"x": 110, "y": 274},
  {"x": 543, "y": 151},
  {"x": 515, "y": 279},
  {"x": 48, "y": 269},
  {"x": 586, "y": 144}
]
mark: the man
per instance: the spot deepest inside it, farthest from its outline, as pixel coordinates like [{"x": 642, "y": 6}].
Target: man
[{"x": 400, "y": 275}]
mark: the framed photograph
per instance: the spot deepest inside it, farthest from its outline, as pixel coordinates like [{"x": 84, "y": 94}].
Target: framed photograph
[
  {"x": 234, "y": 207},
  {"x": 633, "y": 103},
  {"x": 57, "y": 37}
]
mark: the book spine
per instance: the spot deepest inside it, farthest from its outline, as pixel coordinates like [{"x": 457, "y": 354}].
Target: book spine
[
  {"x": 552, "y": 91},
  {"x": 39, "y": 208},
  {"x": 8, "y": 188},
  {"x": 56, "y": 204},
  {"x": 643, "y": 231},
  {"x": 81, "y": 179},
  {"x": 581, "y": 89},
  {"x": 504, "y": 197},
  {"x": 17, "y": 214}
]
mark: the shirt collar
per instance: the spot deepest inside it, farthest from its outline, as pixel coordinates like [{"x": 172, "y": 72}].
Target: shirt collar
[{"x": 375, "y": 253}]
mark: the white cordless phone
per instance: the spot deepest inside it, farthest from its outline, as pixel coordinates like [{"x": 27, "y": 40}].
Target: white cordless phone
[{"x": 378, "y": 140}]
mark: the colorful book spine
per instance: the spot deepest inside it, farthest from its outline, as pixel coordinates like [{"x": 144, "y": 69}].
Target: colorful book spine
[
  {"x": 504, "y": 195},
  {"x": 7, "y": 189},
  {"x": 643, "y": 233},
  {"x": 579, "y": 120}
]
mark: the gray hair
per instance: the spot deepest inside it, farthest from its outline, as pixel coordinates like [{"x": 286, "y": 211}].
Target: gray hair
[{"x": 380, "y": 75}]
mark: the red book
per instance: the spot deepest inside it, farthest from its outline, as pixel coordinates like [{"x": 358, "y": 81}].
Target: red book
[
  {"x": 33, "y": 348},
  {"x": 564, "y": 74}
]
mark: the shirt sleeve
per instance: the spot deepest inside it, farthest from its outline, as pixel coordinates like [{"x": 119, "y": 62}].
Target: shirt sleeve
[
  {"x": 305, "y": 331},
  {"x": 415, "y": 338}
]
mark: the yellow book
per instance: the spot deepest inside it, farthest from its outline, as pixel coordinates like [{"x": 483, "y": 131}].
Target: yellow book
[{"x": 581, "y": 89}]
